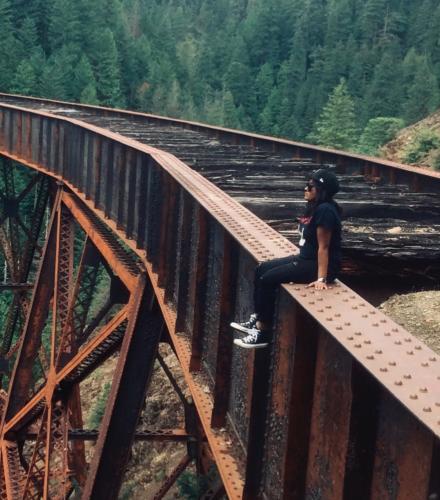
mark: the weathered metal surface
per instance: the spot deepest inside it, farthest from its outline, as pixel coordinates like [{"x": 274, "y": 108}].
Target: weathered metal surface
[
  {"x": 201, "y": 286},
  {"x": 129, "y": 386}
]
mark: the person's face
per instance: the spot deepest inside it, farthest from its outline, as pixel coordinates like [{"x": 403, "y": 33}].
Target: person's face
[{"x": 310, "y": 191}]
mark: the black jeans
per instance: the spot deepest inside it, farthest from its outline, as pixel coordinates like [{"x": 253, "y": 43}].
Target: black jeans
[{"x": 272, "y": 273}]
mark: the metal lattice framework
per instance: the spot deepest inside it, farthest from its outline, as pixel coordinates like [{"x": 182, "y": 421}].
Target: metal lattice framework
[{"x": 345, "y": 404}]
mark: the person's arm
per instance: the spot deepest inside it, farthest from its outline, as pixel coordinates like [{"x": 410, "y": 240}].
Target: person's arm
[{"x": 324, "y": 236}]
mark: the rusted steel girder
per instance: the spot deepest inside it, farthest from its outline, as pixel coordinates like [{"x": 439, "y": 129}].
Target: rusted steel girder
[
  {"x": 286, "y": 447},
  {"x": 372, "y": 167}
]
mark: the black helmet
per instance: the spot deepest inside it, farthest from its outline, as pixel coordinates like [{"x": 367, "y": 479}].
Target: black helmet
[{"x": 326, "y": 180}]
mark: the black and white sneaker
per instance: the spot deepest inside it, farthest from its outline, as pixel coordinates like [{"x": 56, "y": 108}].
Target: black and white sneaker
[
  {"x": 256, "y": 339},
  {"x": 247, "y": 325}
]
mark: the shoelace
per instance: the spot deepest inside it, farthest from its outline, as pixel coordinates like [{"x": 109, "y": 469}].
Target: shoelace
[
  {"x": 251, "y": 322},
  {"x": 252, "y": 337}
]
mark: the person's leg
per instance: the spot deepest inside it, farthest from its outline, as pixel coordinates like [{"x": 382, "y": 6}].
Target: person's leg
[
  {"x": 260, "y": 270},
  {"x": 260, "y": 294},
  {"x": 296, "y": 271}
]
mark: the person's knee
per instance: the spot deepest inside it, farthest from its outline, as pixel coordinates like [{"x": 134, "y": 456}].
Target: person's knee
[{"x": 267, "y": 282}]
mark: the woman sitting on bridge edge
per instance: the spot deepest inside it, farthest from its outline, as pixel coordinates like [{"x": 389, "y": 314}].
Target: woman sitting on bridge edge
[{"x": 318, "y": 262}]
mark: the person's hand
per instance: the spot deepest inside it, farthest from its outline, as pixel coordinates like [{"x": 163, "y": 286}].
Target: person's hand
[{"x": 318, "y": 285}]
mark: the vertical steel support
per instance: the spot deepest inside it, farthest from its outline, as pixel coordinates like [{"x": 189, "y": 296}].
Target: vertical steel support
[
  {"x": 292, "y": 383},
  {"x": 129, "y": 386},
  {"x": 21, "y": 379},
  {"x": 197, "y": 289},
  {"x": 228, "y": 289},
  {"x": 330, "y": 420},
  {"x": 402, "y": 465}
]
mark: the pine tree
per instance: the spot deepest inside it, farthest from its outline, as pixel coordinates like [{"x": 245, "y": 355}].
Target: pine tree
[
  {"x": 64, "y": 24},
  {"x": 107, "y": 70},
  {"x": 385, "y": 91},
  {"x": 336, "y": 126},
  {"x": 25, "y": 81},
  {"x": 84, "y": 83},
  {"x": 230, "y": 112},
  {"x": 423, "y": 94},
  {"x": 8, "y": 47},
  {"x": 378, "y": 131}
]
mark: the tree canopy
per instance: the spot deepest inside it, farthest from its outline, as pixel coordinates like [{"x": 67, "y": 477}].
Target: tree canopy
[{"x": 271, "y": 66}]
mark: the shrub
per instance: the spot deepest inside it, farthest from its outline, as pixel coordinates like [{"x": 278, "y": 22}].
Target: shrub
[
  {"x": 99, "y": 408},
  {"x": 377, "y": 132},
  {"x": 435, "y": 159},
  {"x": 425, "y": 141}
]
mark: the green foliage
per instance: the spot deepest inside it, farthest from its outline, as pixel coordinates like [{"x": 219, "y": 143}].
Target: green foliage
[
  {"x": 435, "y": 159},
  {"x": 98, "y": 409},
  {"x": 377, "y": 132},
  {"x": 336, "y": 126},
  {"x": 425, "y": 141},
  {"x": 266, "y": 66}
]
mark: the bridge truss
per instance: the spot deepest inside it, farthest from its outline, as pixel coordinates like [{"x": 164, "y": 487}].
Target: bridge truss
[{"x": 345, "y": 404}]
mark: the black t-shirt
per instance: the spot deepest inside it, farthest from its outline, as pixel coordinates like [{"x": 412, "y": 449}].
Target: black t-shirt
[{"x": 326, "y": 215}]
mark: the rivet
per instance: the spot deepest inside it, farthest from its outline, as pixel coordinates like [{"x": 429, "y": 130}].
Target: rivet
[
  {"x": 329, "y": 319},
  {"x": 408, "y": 339},
  {"x": 347, "y": 324},
  {"x": 354, "y": 307},
  {"x": 365, "y": 315},
  {"x": 358, "y": 345},
  {"x": 297, "y": 288},
  {"x": 339, "y": 328},
  {"x": 352, "y": 297},
  {"x": 407, "y": 376},
  {"x": 395, "y": 330},
  {"x": 337, "y": 315},
  {"x": 358, "y": 333},
  {"x": 410, "y": 353},
  {"x": 383, "y": 320},
  {"x": 425, "y": 365},
  {"x": 384, "y": 369},
  {"x": 345, "y": 300},
  {"x": 311, "y": 303},
  {"x": 350, "y": 338},
  {"x": 328, "y": 307},
  {"x": 378, "y": 351},
  {"x": 398, "y": 382},
  {"x": 376, "y": 324},
  {"x": 427, "y": 409},
  {"x": 397, "y": 342},
  {"x": 392, "y": 363},
  {"x": 370, "y": 357},
  {"x": 437, "y": 404},
  {"x": 387, "y": 334},
  {"x": 423, "y": 389},
  {"x": 372, "y": 312},
  {"x": 433, "y": 359},
  {"x": 368, "y": 342},
  {"x": 414, "y": 396},
  {"x": 303, "y": 295},
  {"x": 418, "y": 347},
  {"x": 320, "y": 299}
]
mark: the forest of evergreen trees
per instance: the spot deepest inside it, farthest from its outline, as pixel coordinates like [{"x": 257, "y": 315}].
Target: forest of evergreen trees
[{"x": 301, "y": 69}]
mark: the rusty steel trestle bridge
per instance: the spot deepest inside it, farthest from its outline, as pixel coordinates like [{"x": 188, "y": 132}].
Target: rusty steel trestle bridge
[{"x": 345, "y": 404}]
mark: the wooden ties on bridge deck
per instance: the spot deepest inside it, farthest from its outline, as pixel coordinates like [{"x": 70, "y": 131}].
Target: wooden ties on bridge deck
[{"x": 320, "y": 415}]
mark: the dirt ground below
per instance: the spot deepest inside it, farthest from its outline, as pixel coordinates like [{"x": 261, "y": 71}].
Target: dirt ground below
[{"x": 419, "y": 313}]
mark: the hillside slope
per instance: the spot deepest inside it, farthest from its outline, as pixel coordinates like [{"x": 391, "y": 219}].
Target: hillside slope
[{"x": 396, "y": 150}]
